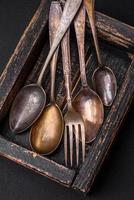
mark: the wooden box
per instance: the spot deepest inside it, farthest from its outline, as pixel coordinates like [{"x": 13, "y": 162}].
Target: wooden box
[{"x": 117, "y": 47}]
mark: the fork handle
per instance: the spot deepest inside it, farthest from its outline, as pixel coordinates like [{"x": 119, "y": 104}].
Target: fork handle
[{"x": 66, "y": 60}]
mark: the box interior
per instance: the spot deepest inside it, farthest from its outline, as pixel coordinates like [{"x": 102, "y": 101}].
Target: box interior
[{"x": 113, "y": 56}]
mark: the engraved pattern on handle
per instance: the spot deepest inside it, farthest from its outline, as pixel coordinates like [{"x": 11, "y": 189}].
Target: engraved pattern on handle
[
  {"x": 69, "y": 12},
  {"x": 54, "y": 21},
  {"x": 65, "y": 46}
]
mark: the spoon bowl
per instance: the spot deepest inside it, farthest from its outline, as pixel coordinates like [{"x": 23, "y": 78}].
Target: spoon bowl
[
  {"x": 27, "y": 107},
  {"x": 46, "y": 133},
  {"x": 105, "y": 85},
  {"x": 89, "y": 105}
]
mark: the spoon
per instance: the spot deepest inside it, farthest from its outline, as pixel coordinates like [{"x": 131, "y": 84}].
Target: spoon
[
  {"x": 86, "y": 102},
  {"x": 31, "y": 100},
  {"x": 104, "y": 80},
  {"x": 47, "y": 132}
]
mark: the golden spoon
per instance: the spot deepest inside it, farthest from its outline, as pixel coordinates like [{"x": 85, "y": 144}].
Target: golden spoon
[{"x": 47, "y": 132}]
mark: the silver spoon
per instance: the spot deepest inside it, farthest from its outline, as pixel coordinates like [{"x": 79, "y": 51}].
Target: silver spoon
[
  {"x": 104, "y": 80},
  {"x": 86, "y": 102},
  {"x": 31, "y": 100}
]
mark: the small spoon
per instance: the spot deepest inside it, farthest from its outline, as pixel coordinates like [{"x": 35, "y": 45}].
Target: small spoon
[
  {"x": 104, "y": 80},
  {"x": 86, "y": 102},
  {"x": 31, "y": 100},
  {"x": 47, "y": 132}
]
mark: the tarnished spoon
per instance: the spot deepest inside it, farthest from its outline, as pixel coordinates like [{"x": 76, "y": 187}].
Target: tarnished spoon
[
  {"x": 47, "y": 132},
  {"x": 86, "y": 102},
  {"x": 104, "y": 80},
  {"x": 31, "y": 100}
]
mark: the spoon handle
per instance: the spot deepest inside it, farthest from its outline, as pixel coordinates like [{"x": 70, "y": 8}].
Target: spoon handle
[
  {"x": 70, "y": 10},
  {"x": 89, "y": 4},
  {"x": 65, "y": 47},
  {"x": 54, "y": 21},
  {"x": 79, "y": 24}
]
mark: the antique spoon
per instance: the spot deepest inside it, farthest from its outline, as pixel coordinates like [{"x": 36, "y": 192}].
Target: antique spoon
[
  {"x": 86, "y": 102},
  {"x": 31, "y": 100},
  {"x": 104, "y": 80},
  {"x": 47, "y": 132}
]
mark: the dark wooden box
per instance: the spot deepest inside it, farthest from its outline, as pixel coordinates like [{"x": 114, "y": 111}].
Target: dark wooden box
[{"x": 117, "y": 46}]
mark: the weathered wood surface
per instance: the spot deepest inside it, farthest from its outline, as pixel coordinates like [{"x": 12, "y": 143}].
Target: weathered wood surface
[
  {"x": 114, "y": 31},
  {"x": 107, "y": 134},
  {"x": 32, "y": 51},
  {"x": 36, "y": 162}
]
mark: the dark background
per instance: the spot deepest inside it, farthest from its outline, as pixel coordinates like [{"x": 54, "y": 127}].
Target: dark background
[{"x": 116, "y": 179}]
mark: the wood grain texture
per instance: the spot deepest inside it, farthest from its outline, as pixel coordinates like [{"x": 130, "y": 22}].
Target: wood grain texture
[
  {"x": 115, "y": 32},
  {"x": 24, "y": 67},
  {"x": 35, "y": 162}
]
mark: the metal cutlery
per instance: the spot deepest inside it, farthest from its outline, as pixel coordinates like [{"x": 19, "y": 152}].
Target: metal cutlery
[
  {"x": 86, "y": 102},
  {"x": 104, "y": 80},
  {"x": 31, "y": 100},
  {"x": 74, "y": 124}
]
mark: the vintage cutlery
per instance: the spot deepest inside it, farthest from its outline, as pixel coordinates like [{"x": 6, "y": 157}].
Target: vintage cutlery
[
  {"x": 86, "y": 102},
  {"x": 74, "y": 124},
  {"x": 31, "y": 100},
  {"x": 104, "y": 80},
  {"x": 47, "y": 132}
]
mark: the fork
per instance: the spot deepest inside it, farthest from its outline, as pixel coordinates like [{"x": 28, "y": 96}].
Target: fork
[{"x": 74, "y": 124}]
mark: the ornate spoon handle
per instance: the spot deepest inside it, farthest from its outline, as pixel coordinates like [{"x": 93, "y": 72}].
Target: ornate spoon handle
[
  {"x": 54, "y": 21},
  {"x": 65, "y": 46},
  {"x": 70, "y": 10}
]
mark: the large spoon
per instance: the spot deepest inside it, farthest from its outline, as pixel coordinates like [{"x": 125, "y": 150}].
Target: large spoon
[
  {"x": 86, "y": 102},
  {"x": 31, "y": 100},
  {"x": 104, "y": 80},
  {"x": 47, "y": 132}
]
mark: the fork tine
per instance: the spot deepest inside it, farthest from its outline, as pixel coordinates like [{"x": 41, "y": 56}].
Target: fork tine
[
  {"x": 65, "y": 145},
  {"x": 77, "y": 143},
  {"x": 83, "y": 140},
  {"x": 71, "y": 144}
]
